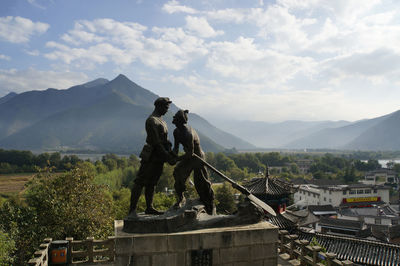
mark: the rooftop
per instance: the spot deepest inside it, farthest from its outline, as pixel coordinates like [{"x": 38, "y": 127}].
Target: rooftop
[
  {"x": 358, "y": 250},
  {"x": 268, "y": 185},
  {"x": 321, "y": 208},
  {"x": 341, "y": 223},
  {"x": 381, "y": 211}
]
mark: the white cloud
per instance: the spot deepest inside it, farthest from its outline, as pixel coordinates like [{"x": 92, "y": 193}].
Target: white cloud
[
  {"x": 174, "y": 7},
  {"x": 283, "y": 28},
  {"x": 36, "y": 4},
  {"x": 20, "y": 30},
  {"x": 201, "y": 27},
  {"x": 33, "y": 79},
  {"x": 5, "y": 57},
  {"x": 32, "y": 52},
  {"x": 228, "y": 15},
  {"x": 244, "y": 60},
  {"x": 106, "y": 40},
  {"x": 377, "y": 67},
  {"x": 173, "y": 49}
]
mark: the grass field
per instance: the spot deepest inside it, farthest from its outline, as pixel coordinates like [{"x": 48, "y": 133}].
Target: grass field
[{"x": 14, "y": 183}]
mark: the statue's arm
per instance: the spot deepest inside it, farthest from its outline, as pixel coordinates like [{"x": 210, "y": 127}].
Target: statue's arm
[{"x": 176, "y": 142}]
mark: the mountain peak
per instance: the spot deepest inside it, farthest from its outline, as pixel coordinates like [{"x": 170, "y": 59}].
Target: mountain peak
[
  {"x": 122, "y": 77},
  {"x": 8, "y": 97},
  {"x": 96, "y": 82}
]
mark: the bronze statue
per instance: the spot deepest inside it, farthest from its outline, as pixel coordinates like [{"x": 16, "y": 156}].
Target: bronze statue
[
  {"x": 188, "y": 137},
  {"x": 155, "y": 152}
]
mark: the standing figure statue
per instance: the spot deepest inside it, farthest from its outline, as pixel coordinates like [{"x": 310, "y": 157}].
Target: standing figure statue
[
  {"x": 187, "y": 136},
  {"x": 155, "y": 152}
]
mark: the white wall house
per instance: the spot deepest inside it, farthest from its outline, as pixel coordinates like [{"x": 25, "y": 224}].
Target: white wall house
[
  {"x": 380, "y": 177},
  {"x": 307, "y": 195},
  {"x": 355, "y": 194}
]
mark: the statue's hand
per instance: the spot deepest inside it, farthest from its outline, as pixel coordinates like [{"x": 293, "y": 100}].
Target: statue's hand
[{"x": 172, "y": 158}]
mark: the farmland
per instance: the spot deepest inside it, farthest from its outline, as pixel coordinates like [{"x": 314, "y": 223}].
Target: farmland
[{"x": 13, "y": 183}]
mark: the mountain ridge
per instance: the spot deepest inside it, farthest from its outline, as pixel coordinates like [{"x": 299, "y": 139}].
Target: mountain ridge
[{"x": 98, "y": 115}]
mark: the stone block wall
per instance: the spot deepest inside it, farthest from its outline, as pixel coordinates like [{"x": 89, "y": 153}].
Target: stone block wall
[{"x": 254, "y": 245}]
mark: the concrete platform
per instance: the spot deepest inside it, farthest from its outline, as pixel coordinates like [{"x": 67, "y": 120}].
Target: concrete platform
[{"x": 254, "y": 244}]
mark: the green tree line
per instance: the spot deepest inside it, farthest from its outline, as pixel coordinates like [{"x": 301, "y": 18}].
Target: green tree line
[{"x": 76, "y": 198}]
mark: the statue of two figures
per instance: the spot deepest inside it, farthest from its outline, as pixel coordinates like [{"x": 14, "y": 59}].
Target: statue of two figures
[{"x": 158, "y": 150}]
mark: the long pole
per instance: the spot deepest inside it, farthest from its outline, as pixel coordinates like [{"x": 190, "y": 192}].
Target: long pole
[{"x": 239, "y": 187}]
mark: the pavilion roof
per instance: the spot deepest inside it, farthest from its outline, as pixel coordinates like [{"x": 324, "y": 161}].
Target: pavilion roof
[{"x": 268, "y": 185}]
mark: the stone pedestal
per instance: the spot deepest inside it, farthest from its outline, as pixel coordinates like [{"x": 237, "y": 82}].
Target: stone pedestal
[{"x": 253, "y": 245}]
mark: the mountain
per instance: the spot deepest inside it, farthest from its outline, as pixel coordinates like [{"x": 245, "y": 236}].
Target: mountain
[
  {"x": 100, "y": 115},
  {"x": 7, "y": 97},
  {"x": 379, "y": 133},
  {"x": 275, "y": 135},
  {"x": 384, "y": 135}
]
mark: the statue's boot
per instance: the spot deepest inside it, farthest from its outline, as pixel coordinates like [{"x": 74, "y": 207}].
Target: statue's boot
[
  {"x": 135, "y": 195},
  {"x": 181, "y": 200},
  {"x": 148, "y": 194},
  {"x": 210, "y": 208}
]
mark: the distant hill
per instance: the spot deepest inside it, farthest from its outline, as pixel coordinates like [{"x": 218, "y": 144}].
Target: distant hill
[
  {"x": 381, "y": 133},
  {"x": 276, "y": 135},
  {"x": 100, "y": 115},
  {"x": 7, "y": 97}
]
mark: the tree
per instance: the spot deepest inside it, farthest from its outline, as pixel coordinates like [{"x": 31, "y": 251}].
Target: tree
[
  {"x": 122, "y": 200},
  {"x": 19, "y": 222},
  {"x": 248, "y": 160},
  {"x": 350, "y": 175},
  {"x": 7, "y": 247},
  {"x": 225, "y": 197},
  {"x": 71, "y": 204},
  {"x": 55, "y": 159}
]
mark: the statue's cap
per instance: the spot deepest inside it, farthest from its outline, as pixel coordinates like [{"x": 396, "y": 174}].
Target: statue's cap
[{"x": 162, "y": 101}]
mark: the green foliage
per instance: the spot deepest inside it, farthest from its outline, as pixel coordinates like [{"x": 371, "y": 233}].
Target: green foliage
[
  {"x": 166, "y": 179},
  {"x": 367, "y": 166},
  {"x": 101, "y": 168},
  {"x": 121, "y": 202},
  {"x": 350, "y": 174},
  {"x": 238, "y": 174},
  {"x": 19, "y": 222},
  {"x": 396, "y": 168},
  {"x": 273, "y": 159},
  {"x": 225, "y": 199},
  {"x": 71, "y": 204},
  {"x": 249, "y": 161},
  {"x": 111, "y": 179},
  {"x": 162, "y": 201},
  {"x": 7, "y": 248}
]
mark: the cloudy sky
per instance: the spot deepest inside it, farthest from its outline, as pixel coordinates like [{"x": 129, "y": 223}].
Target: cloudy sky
[{"x": 254, "y": 59}]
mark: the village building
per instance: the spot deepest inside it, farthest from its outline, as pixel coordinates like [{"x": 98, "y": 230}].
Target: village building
[
  {"x": 353, "y": 221},
  {"x": 304, "y": 165},
  {"x": 381, "y": 177},
  {"x": 354, "y": 195}
]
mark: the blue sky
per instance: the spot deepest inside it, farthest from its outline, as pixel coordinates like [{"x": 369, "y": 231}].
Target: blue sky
[{"x": 223, "y": 59}]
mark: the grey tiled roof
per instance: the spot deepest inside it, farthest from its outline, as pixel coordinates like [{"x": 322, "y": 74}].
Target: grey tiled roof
[
  {"x": 270, "y": 186},
  {"x": 282, "y": 222},
  {"x": 360, "y": 251},
  {"x": 316, "y": 208},
  {"x": 341, "y": 223}
]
